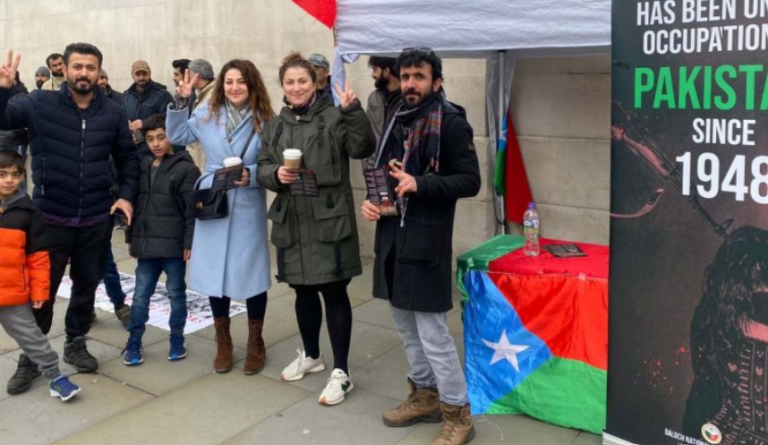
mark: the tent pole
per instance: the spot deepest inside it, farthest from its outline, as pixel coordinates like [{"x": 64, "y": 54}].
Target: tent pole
[{"x": 502, "y": 111}]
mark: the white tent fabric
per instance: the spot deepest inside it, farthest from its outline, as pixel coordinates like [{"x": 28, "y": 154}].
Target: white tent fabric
[
  {"x": 472, "y": 27},
  {"x": 493, "y": 29}
]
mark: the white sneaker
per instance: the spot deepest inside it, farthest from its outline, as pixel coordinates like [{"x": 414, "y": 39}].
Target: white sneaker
[
  {"x": 338, "y": 386},
  {"x": 302, "y": 365}
]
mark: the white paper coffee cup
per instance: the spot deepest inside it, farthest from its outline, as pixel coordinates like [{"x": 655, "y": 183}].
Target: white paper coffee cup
[
  {"x": 292, "y": 158},
  {"x": 231, "y": 162}
]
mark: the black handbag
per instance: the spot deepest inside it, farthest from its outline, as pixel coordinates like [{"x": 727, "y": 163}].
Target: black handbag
[{"x": 207, "y": 204}]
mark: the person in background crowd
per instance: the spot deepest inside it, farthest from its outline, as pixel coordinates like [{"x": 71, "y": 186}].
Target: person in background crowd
[
  {"x": 41, "y": 75},
  {"x": 230, "y": 255},
  {"x": 23, "y": 248},
  {"x": 202, "y": 71},
  {"x": 385, "y": 99},
  {"x": 112, "y": 276},
  {"x": 104, "y": 84},
  {"x": 316, "y": 235},
  {"x": 73, "y": 131},
  {"x": 180, "y": 67},
  {"x": 17, "y": 140},
  {"x": 143, "y": 99},
  {"x": 322, "y": 73},
  {"x": 161, "y": 238},
  {"x": 412, "y": 269},
  {"x": 55, "y": 63}
]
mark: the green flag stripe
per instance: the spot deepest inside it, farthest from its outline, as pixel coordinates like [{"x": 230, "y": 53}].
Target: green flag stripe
[
  {"x": 563, "y": 392},
  {"x": 479, "y": 257},
  {"x": 499, "y": 182}
]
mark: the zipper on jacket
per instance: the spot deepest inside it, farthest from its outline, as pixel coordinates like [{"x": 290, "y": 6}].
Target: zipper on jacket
[
  {"x": 144, "y": 220},
  {"x": 24, "y": 276},
  {"x": 82, "y": 160},
  {"x": 42, "y": 185}
]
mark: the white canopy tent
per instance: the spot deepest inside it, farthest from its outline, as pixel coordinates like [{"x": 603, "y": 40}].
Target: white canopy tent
[{"x": 497, "y": 30}]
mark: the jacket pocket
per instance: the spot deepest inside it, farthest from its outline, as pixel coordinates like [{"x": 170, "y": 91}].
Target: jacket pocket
[
  {"x": 332, "y": 216},
  {"x": 422, "y": 242},
  {"x": 283, "y": 234}
]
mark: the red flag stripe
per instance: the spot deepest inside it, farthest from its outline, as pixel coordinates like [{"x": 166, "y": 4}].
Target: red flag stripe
[
  {"x": 518, "y": 191},
  {"x": 323, "y": 10},
  {"x": 569, "y": 314}
]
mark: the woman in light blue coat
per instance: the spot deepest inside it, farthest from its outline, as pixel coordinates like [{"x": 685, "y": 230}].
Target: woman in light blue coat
[{"x": 230, "y": 256}]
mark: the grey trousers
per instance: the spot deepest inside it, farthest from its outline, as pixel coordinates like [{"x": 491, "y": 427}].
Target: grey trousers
[
  {"x": 19, "y": 323},
  {"x": 432, "y": 354}
]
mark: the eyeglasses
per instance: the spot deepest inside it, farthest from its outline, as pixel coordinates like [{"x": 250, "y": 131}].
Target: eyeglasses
[{"x": 412, "y": 50}]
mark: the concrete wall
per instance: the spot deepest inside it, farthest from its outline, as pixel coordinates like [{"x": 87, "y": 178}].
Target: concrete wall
[
  {"x": 560, "y": 105},
  {"x": 561, "y": 110}
]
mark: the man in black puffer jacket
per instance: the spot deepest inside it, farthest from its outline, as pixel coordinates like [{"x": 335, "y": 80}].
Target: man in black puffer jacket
[
  {"x": 73, "y": 133},
  {"x": 143, "y": 99}
]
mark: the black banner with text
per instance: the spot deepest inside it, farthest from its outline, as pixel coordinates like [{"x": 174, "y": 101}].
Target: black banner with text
[{"x": 689, "y": 212}]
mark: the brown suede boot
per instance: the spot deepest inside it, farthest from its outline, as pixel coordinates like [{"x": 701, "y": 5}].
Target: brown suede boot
[
  {"x": 224, "y": 360},
  {"x": 422, "y": 405},
  {"x": 458, "y": 428},
  {"x": 257, "y": 352}
]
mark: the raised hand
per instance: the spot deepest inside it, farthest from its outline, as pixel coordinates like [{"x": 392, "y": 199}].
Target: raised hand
[
  {"x": 9, "y": 69},
  {"x": 346, "y": 95},
  {"x": 186, "y": 85}
]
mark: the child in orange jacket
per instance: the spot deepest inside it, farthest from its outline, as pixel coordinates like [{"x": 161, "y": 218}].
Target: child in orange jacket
[{"x": 25, "y": 275}]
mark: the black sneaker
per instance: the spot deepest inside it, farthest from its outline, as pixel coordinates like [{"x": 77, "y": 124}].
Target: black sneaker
[
  {"x": 76, "y": 354},
  {"x": 124, "y": 315},
  {"x": 25, "y": 374}
]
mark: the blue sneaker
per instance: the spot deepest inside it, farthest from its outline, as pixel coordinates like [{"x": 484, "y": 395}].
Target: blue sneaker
[
  {"x": 132, "y": 352},
  {"x": 62, "y": 388},
  {"x": 178, "y": 348}
]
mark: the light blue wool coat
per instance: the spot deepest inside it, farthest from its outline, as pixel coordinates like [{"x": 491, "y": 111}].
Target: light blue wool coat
[{"x": 230, "y": 256}]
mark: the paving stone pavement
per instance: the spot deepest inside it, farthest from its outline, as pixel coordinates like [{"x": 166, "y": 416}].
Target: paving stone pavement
[{"x": 162, "y": 402}]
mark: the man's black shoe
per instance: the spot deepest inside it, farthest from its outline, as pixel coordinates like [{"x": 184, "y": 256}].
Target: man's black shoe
[
  {"x": 25, "y": 375},
  {"x": 77, "y": 355}
]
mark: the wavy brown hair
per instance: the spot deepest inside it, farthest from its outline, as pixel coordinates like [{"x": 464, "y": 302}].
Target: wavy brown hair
[
  {"x": 261, "y": 106},
  {"x": 296, "y": 60}
]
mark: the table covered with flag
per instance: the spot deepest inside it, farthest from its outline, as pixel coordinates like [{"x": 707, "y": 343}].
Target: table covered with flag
[{"x": 536, "y": 332}]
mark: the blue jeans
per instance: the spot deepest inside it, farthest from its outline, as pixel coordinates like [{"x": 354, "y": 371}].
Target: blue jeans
[
  {"x": 147, "y": 273},
  {"x": 112, "y": 282}
]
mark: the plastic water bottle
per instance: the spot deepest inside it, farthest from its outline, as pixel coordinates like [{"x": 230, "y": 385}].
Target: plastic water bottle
[{"x": 531, "y": 231}]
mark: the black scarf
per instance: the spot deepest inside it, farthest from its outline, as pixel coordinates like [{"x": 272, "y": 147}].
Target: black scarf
[{"x": 302, "y": 110}]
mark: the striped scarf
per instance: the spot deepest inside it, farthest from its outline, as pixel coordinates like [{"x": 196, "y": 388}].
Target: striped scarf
[
  {"x": 412, "y": 136},
  {"x": 236, "y": 115}
]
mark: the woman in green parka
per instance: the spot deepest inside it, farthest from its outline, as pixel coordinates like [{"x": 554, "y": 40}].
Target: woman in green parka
[{"x": 313, "y": 215}]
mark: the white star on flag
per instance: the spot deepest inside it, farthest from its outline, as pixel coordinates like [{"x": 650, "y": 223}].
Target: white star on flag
[{"x": 504, "y": 350}]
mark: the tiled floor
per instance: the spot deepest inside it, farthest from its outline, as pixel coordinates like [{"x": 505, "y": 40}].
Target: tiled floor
[{"x": 161, "y": 402}]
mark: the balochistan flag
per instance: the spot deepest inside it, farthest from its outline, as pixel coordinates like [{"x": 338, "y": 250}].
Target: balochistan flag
[
  {"x": 542, "y": 353},
  {"x": 510, "y": 179},
  {"x": 323, "y": 10}
]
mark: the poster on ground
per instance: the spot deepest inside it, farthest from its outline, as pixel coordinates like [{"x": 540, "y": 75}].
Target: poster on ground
[
  {"x": 199, "y": 315},
  {"x": 688, "y": 361}
]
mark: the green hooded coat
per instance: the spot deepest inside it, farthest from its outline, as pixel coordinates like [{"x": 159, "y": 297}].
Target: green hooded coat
[{"x": 316, "y": 237}]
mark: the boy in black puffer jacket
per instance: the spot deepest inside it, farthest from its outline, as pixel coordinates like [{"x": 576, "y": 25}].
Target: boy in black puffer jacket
[{"x": 161, "y": 237}]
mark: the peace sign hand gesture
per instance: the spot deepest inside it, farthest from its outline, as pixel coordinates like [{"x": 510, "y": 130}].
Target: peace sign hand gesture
[
  {"x": 346, "y": 95},
  {"x": 8, "y": 70},
  {"x": 186, "y": 85}
]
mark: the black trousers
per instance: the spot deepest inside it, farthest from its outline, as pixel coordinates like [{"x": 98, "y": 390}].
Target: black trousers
[
  {"x": 338, "y": 316},
  {"x": 86, "y": 248}
]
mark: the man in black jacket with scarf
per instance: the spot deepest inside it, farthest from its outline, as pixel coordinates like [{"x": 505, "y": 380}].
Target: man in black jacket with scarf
[
  {"x": 427, "y": 147},
  {"x": 73, "y": 133}
]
